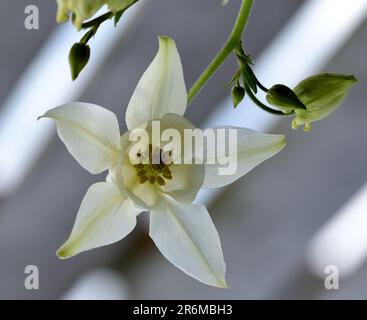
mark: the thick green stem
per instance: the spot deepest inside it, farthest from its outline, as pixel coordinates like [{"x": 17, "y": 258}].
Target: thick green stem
[{"x": 227, "y": 49}]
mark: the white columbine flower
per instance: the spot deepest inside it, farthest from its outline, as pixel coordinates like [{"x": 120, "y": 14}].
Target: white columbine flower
[
  {"x": 85, "y": 9},
  {"x": 183, "y": 231}
]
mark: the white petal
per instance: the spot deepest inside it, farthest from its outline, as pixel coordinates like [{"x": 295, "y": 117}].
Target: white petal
[
  {"x": 91, "y": 134},
  {"x": 186, "y": 182},
  {"x": 149, "y": 194},
  {"x": 252, "y": 149},
  {"x": 187, "y": 179},
  {"x": 161, "y": 89},
  {"x": 186, "y": 236},
  {"x": 104, "y": 217}
]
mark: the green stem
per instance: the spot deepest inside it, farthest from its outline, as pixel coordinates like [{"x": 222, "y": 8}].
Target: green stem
[
  {"x": 97, "y": 21},
  {"x": 88, "y": 35},
  {"x": 108, "y": 15},
  {"x": 263, "y": 106},
  {"x": 261, "y": 86},
  {"x": 227, "y": 49}
]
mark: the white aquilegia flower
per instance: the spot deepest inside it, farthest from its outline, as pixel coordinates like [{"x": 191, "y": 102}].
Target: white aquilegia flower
[
  {"x": 85, "y": 9},
  {"x": 183, "y": 231}
]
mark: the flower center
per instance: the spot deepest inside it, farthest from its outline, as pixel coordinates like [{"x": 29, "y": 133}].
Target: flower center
[{"x": 157, "y": 169}]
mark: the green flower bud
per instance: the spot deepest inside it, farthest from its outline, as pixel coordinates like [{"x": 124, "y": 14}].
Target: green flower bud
[
  {"x": 321, "y": 94},
  {"x": 283, "y": 97},
  {"x": 78, "y": 58},
  {"x": 238, "y": 93}
]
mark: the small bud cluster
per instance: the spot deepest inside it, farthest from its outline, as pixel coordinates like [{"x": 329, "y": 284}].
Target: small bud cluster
[{"x": 311, "y": 100}]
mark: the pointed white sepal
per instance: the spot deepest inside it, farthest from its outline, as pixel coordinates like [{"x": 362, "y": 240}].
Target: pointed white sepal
[
  {"x": 104, "y": 217},
  {"x": 187, "y": 237},
  {"x": 161, "y": 89},
  {"x": 91, "y": 134}
]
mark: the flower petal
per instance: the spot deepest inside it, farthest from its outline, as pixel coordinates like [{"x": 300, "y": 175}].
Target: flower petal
[
  {"x": 161, "y": 89},
  {"x": 118, "y": 5},
  {"x": 186, "y": 236},
  {"x": 148, "y": 194},
  {"x": 91, "y": 134},
  {"x": 188, "y": 176},
  {"x": 104, "y": 217},
  {"x": 82, "y": 10},
  {"x": 252, "y": 149},
  {"x": 187, "y": 179}
]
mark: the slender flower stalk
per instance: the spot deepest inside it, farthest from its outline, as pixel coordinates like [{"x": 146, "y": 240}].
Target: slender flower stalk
[{"x": 228, "y": 48}]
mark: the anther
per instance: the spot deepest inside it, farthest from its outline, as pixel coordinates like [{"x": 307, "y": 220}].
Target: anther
[
  {"x": 167, "y": 175},
  {"x": 161, "y": 181},
  {"x": 141, "y": 173},
  {"x": 143, "y": 179},
  {"x": 307, "y": 127}
]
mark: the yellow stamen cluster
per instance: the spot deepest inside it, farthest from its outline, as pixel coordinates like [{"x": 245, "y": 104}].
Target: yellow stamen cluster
[{"x": 157, "y": 171}]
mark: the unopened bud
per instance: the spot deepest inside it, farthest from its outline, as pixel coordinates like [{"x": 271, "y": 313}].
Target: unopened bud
[
  {"x": 321, "y": 94},
  {"x": 78, "y": 58},
  {"x": 238, "y": 93},
  {"x": 283, "y": 97}
]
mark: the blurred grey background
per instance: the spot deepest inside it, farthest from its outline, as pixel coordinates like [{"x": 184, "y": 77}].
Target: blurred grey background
[{"x": 265, "y": 219}]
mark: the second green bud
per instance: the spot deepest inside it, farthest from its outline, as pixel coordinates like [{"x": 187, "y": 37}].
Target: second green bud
[
  {"x": 283, "y": 97},
  {"x": 238, "y": 93}
]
